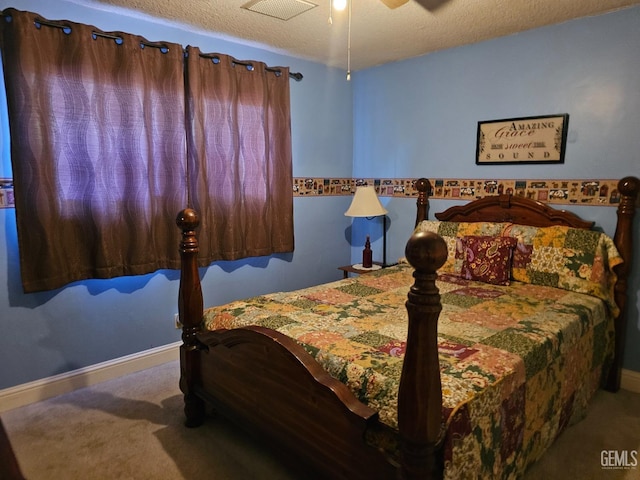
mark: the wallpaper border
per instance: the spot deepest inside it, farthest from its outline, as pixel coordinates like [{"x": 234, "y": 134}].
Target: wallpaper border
[
  {"x": 6, "y": 193},
  {"x": 558, "y": 192}
]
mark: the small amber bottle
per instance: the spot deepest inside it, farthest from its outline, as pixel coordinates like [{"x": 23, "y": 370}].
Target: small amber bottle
[{"x": 367, "y": 254}]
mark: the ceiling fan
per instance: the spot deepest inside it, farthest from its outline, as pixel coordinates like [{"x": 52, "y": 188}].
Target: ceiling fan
[
  {"x": 428, "y": 4},
  {"x": 394, "y": 3}
]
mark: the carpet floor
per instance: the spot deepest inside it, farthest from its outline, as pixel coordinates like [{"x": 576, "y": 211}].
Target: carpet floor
[{"x": 131, "y": 428}]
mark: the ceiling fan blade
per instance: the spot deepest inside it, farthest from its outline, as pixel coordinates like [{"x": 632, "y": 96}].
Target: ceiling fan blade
[
  {"x": 431, "y": 5},
  {"x": 394, "y": 3}
]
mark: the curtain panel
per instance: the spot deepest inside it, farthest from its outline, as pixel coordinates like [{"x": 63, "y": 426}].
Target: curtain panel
[
  {"x": 109, "y": 142},
  {"x": 98, "y": 149},
  {"x": 239, "y": 154}
]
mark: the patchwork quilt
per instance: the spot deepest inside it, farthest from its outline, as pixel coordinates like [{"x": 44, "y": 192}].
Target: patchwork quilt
[{"x": 518, "y": 363}]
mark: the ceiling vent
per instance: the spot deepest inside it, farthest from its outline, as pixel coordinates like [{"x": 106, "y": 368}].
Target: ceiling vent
[{"x": 282, "y": 9}]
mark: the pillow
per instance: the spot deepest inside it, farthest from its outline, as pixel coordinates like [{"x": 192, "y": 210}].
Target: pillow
[
  {"x": 487, "y": 259},
  {"x": 452, "y": 232},
  {"x": 569, "y": 258}
]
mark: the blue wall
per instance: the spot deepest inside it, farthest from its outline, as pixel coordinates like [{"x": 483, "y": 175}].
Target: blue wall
[
  {"x": 90, "y": 322},
  {"x": 405, "y": 119},
  {"x": 419, "y": 117}
]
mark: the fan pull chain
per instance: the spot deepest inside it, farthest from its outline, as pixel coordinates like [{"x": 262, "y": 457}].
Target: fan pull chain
[{"x": 349, "y": 45}]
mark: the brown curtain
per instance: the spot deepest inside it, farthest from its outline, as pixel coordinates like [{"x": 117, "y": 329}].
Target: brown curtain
[
  {"x": 239, "y": 149},
  {"x": 98, "y": 149}
]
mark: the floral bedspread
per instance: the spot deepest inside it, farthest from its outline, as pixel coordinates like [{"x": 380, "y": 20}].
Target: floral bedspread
[{"x": 518, "y": 363}]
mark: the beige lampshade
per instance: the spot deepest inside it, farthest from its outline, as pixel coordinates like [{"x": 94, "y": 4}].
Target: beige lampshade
[{"x": 365, "y": 203}]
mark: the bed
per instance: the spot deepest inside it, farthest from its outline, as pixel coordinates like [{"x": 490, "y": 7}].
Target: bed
[{"x": 476, "y": 378}]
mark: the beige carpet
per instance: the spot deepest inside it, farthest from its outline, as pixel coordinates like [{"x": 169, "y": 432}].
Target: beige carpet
[{"x": 131, "y": 428}]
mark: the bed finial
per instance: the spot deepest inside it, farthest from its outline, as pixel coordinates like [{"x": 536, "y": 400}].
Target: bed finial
[
  {"x": 422, "y": 185},
  {"x": 426, "y": 251},
  {"x": 629, "y": 187},
  {"x": 421, "y": 428},
  {"x": 187, "y": 219}
]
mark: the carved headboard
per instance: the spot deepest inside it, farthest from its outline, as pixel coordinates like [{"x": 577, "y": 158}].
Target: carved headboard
[{"x": 507, "y": 208}]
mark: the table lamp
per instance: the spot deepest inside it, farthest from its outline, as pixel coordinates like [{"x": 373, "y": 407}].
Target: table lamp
[{"x": 366, "y": 204}]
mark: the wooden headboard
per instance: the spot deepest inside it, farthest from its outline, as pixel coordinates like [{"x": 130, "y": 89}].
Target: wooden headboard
[
  {"x": 520, "y": 210},
  {"x": 507, "y": 208}
]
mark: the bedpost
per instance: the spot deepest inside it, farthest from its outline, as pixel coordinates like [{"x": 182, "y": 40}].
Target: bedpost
[
  {"x": 420, "y": 394},
  {"x": 629, "y": 187},
  {"x": 423, "y": 186},
  {"x": 190, "y": 309}
]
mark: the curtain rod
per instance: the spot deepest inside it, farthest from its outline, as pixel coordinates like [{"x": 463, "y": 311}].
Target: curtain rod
[
  {"x": 212, "y": 56},
  {"x": 297, "y": 76}
]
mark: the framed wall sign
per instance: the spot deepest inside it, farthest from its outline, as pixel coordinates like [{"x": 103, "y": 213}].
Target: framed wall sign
[{"x": 539, "y": 139}]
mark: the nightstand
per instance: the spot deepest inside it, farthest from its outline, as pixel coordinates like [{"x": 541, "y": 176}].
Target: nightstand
[{"x": 347, "y": 269}]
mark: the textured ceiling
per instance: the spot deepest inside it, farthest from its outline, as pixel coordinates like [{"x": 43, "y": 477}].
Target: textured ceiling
[{"x": 379, "y": 34}]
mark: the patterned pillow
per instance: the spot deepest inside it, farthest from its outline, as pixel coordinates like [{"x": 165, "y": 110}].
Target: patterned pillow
[
  {"x": 487, "y": 259},
  {"x": 452, "y": 232},
  {"x": 569, "y": 258}
]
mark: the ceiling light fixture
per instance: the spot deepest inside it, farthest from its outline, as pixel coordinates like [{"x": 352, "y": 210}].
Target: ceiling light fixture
[{"x": 339, "y": 5}]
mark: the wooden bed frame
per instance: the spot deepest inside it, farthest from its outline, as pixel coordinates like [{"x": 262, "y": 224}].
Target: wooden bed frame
[{"x": 272, "y": 387}]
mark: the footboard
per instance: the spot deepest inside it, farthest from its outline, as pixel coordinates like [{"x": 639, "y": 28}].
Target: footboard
[{"x": 269, "y": 385}]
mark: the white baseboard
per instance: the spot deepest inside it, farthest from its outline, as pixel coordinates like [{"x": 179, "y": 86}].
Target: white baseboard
[
  {"x": 39, "y": 390},
  {"x": 630, "y": 380}
]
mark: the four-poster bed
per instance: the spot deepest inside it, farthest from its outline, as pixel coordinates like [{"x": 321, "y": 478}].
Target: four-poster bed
[{"x": 277, "y": 385}]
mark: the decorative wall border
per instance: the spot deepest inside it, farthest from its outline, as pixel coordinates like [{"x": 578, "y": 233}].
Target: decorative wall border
[
  {"x": 6, "y": 193},
  {"x": 559, "y": 192}
]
